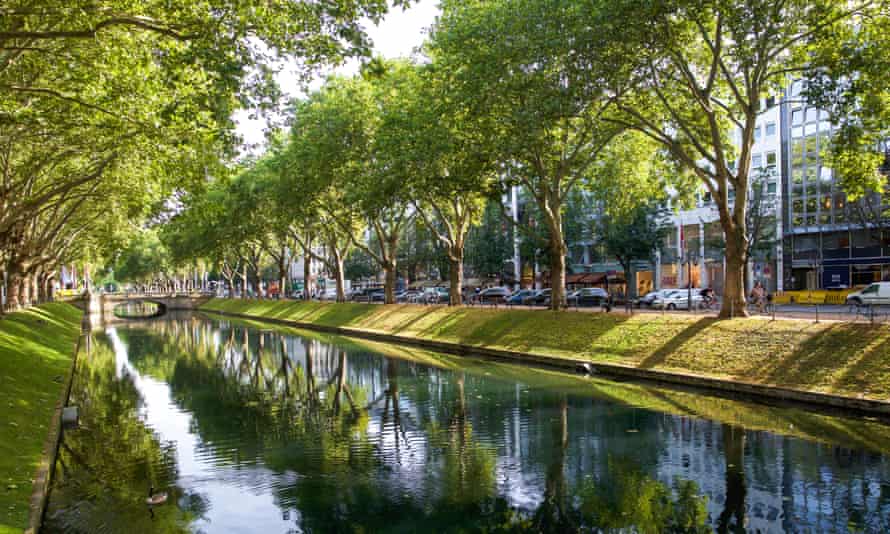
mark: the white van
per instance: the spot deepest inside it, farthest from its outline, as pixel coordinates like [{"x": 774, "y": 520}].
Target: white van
[{"x": 877, "y": 293}]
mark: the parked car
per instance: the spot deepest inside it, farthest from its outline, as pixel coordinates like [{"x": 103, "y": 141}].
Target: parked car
[
  {"x": 368, "y": 294},
  {"x": 407, "y": 296},
  {"x": 588, "y": 296},
  {"x": 329, "y": 293},
  {"x": 541, "y": 298},
  {"x": 523, "y": 296},
  {"x": 874, "y": 294},
  {"x": 494, "y": 295},
  {"x": 647, "y": 299},
  {"x": 678, "y": 299}
]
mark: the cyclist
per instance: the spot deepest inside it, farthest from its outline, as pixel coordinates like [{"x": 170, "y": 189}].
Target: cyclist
[{"x": 708, "y": 298}]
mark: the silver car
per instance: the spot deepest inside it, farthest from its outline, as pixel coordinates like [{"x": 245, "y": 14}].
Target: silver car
[{"x": 678, "y": 299}]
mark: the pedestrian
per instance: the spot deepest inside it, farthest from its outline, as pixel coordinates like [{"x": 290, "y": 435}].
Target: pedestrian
[{"x": 758, "y": 295}]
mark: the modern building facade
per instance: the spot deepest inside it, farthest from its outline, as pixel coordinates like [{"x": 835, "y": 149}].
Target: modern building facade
[{"x": 829, "y": 242}]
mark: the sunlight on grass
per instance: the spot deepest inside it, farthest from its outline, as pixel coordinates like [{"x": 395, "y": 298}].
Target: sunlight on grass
[
  {"x": 36, "y": 347},
  {"x": 841, "y": 358}
]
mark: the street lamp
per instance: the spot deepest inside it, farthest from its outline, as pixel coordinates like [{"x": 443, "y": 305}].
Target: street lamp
[{"x": 690, "y": 258}]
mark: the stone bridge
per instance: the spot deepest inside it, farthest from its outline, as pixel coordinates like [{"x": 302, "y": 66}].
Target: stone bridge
[{"x": 100, "y": 308}]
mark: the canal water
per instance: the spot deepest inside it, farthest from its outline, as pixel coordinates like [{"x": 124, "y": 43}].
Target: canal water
[{"x": 251, "y": 428}]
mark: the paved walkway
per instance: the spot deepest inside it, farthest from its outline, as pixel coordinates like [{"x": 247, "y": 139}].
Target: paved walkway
[{"x": 822, "y": 312}]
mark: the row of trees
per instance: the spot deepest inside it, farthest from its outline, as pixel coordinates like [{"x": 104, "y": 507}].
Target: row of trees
[
  {"x": 619, "y": 98},
  {"x": 371, "y": 157},
  {"x": 109, "y": 107}
]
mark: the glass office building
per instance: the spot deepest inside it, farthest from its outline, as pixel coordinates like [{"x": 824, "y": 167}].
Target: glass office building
[{"x": 828, "y": 242}]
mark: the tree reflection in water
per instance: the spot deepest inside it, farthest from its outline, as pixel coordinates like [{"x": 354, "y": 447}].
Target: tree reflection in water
[
  {"x": 344, "y": 439},
  {"x": 106, "y": 467}
]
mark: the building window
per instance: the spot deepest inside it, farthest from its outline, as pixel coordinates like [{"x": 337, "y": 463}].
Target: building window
[
  {"x": 770, "y": 129},
  {"x": 797, "y": 152},
  {"x": 757, "y": 161},
  {"x": 797, "y": 117},
  {"x": 757, "y": 133},
  {"x": 812, "y": 151},
  {"x": 771, "y": 188},
  {"x": 770, "y": 159},
  {"x": 839, "y": 202},
  {"x": 812, "y": 114}
]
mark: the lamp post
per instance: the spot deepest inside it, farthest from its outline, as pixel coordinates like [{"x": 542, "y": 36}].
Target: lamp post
[{"x": 690, "y": 258}]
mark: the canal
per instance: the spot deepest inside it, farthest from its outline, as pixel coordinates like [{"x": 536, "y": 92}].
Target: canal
[{"x": 251, "y": 428}]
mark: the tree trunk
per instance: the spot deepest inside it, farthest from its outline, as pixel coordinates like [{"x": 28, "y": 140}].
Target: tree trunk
[
  {"x": 558, "y": 281},
  {"x": 282, "y": 274},
  {"x": 244, "y": 281},
  {"x": 307, "y": 274},
  {"x": 456, "y": 276},
  {"x": 389, "y": 270},
  {"x": 558, "y": 251},
  {"x": 13, "y": 290},
  {"x": 26, "y": 290},
  {"x": 630, "y": 280},
  {"x": 339, "y": 276},
  {"x": 43, "y": 283},
  {"x": 734, "y": 278},
  {"x": 389, "y": 283}
]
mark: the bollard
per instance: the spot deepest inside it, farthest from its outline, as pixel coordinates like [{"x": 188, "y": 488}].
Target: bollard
[
  {"x": 817, "y": 313},
  {"x": 731, "y": 309},
  {"x": 774, "y": 311}
]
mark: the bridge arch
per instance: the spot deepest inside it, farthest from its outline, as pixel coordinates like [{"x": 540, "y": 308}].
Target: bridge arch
[{"x": 160, "y": 308}]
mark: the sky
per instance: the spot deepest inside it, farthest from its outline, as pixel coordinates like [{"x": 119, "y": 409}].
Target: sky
[{"x": 398, "y": 34}]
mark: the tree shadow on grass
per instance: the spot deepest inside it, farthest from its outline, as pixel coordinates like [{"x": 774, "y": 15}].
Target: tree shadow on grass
[
  {"x": 870, "y": 373},
  {"x": 663, "y": 353},
  {"x": 414, "y": 319},
  {"x": 818, "y": 359},
  {"x": 522, "y": 330},
  {"x": 340, "y": 314}
]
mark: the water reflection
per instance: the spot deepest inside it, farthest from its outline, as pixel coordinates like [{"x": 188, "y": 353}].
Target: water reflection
[
  {"x": 138, "y": 310},
  {"x": 259, "y": 430}
]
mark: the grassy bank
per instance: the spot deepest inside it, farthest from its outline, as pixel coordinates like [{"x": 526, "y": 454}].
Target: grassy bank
[
  {"x": 36, "y": 347},
  {"x": 839, "y": 358}
]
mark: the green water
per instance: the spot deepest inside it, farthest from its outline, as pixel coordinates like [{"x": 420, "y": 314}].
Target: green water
[{"x": 250, "y": 428}]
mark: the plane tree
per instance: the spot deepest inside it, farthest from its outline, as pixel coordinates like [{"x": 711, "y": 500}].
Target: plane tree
[
  {"x": 532, "y": 76},
  {"x": 698, "y": 73},
  {"x": 313, "y": 163},
  {"x": 428, "y": 143}
]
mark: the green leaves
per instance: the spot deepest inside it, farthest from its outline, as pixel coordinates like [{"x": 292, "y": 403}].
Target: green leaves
[{"x": 848, "y": 75}]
